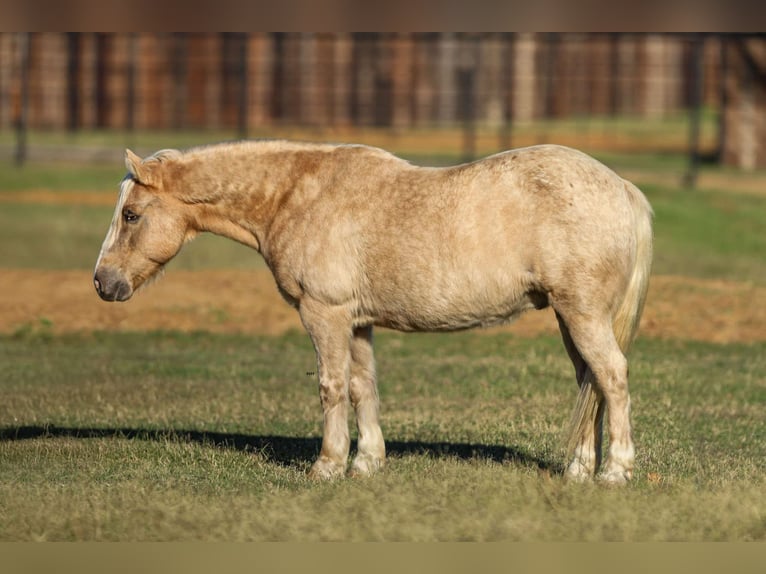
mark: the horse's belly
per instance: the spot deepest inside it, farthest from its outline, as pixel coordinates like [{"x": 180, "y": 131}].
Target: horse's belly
[
  {"x": 461, "y": 275},
  {"x": 456, "y": 311}
]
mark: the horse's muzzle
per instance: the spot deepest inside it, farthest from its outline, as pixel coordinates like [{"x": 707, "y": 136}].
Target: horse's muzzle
[{"x": 111, "y": 285}]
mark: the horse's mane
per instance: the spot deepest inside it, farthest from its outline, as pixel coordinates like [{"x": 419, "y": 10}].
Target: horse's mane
[
  {"x": 164, "y": 155},
  {"x": 262, "y": 146}
]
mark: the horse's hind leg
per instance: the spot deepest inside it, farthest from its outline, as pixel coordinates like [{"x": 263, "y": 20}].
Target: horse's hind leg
[
  {"x": 594, "y": 339},
  {"x": 371, "y": 450},
  {"x": 587, "y": 451}
]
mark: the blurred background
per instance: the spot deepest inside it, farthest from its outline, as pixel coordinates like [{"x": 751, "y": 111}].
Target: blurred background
[
  {"x": 437, "y": 97},
  {"x": 680, "y": 115}
]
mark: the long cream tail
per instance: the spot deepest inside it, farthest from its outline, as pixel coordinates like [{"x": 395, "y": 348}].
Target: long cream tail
[{"x": 626, "y": 320}]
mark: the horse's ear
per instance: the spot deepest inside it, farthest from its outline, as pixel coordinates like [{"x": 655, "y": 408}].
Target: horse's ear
[
  {"x": 132, "y": 163},
  {"x": 136, "y": 167}
]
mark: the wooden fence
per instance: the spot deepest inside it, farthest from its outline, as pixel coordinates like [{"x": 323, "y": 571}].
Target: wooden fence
[{"x": 249, "y": 82}]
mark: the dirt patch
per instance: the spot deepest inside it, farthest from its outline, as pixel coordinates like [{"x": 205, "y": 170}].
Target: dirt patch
[
  {"x": 248, "y": 302},
  {"x": 218, "y": 301}
]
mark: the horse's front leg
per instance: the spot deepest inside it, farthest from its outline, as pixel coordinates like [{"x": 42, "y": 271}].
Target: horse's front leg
[
  {"x": 330, "y": 331},
  {"x": 371, "y": 451}
]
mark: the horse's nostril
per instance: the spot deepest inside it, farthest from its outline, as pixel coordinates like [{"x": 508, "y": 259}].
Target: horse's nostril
[{"x": 111, "y": 285}]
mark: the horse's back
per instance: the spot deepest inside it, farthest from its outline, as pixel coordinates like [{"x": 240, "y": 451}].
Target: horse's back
[{"x": 508, "y": 210}]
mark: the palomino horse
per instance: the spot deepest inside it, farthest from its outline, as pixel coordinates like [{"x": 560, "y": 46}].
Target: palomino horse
[{"x": 356, "y": 237}]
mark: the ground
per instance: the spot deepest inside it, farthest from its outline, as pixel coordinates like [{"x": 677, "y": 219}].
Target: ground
[{"x": 248, "y": 302}]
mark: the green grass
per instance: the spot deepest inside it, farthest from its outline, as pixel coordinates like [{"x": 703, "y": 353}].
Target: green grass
[
  {"x": 51, "y": 236},
  {"x": 208, "y": 437},
  {"x": 709, "y": 233},
  {"x": 61, "y": 176}
]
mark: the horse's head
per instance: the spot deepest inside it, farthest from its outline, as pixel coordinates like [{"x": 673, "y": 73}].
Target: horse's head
[{"x": 148, "y": 228}]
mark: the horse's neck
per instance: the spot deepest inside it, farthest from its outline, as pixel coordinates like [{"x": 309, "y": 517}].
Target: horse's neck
[{"x": 235, "y": 197}]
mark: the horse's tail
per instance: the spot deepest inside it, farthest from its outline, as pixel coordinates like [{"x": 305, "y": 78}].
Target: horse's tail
[
  {"x": 626, "y": 319},
  {"x": 628, "y": 315}
]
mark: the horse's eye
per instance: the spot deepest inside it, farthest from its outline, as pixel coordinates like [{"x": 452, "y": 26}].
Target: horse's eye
[{"x": 130, "y": 216}]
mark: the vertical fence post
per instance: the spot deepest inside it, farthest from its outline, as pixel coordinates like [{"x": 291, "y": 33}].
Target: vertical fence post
[
  {"x": 690, "y": 179},
  {"x": 723, "y": 95},
  {"x": 505, "y": 138},
  {"x": 466, "y": 80},
  {"x": 179, "y": 65},
  {"x": 614, "y": 74},
  {"x": 278, "y": 82},
  {"x": 130, "y": 113},
  {"x": 103, "y": 103},
  {"x": 22, "y": 118},
  {"x": 73, "y": 81},
  {"x": 242, "y": 63}
]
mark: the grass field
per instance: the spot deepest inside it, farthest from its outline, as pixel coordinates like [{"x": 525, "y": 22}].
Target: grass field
[
  {"x": 115, "y": 435},
  {"x": 166, "y": 436}
]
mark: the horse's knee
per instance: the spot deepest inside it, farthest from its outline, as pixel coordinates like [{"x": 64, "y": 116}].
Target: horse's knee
[{"x": 333, "y": 392}]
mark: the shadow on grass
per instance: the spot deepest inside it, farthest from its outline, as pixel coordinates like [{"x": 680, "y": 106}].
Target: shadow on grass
[{"x": 284, "y": 450}]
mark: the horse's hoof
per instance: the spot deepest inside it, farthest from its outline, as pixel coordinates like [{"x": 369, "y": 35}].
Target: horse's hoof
[
  {"x": 578, "y": 473},
  {"x": 615, "y": 477},
  {"x": 326, "y": 469},
  {"x": 364, "y": 466}
]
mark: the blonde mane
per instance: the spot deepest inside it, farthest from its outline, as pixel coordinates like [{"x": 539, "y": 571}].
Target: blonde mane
[
  {"x": 262, "y": 147},
  {"x": 164, "y": 155}
]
